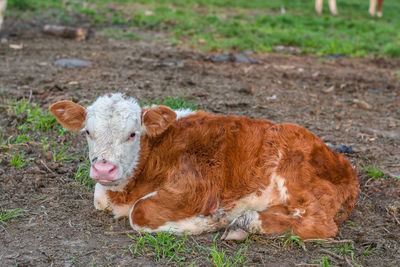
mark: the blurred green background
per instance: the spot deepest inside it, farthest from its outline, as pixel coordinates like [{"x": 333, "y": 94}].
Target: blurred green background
[{"x": 214, "y": 25}]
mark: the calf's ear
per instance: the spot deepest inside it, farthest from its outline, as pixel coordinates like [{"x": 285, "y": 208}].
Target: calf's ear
[
  {"x": 157, "y": 119},
  {"x": 69, "y": 114}
]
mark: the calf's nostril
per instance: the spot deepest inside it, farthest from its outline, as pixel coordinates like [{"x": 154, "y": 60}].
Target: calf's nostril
[{"x": 112, "y": 169}]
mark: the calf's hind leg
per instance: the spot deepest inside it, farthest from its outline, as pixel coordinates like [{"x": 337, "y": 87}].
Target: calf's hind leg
[{"x": 306, "y": 222}]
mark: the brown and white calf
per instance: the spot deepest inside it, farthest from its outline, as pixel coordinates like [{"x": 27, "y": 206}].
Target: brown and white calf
[
  {"x": 192, "y": 172},
  {"x": 333, "y": 7}
]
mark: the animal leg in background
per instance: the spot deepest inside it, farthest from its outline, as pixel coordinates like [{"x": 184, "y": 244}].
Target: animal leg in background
[
  {"x": 332, "y": 7},
  {"x": 318, "y": 6},
  {"x": 372, "y": 7},
  {"x": 379, "y": 13},
  {"x": 3, "y": 5}
]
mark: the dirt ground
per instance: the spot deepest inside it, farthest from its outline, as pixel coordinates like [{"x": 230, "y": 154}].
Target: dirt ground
[{"x": 345, "y": 101}]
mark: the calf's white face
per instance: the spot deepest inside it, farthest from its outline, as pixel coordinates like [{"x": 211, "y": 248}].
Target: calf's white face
[
  {"x": 113, "y": 130},
  {"x": 114, "y": 125}
]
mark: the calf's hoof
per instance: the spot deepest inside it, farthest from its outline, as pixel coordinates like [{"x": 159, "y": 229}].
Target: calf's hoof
[
  {"x": 240, "y": 227},
  {"x": 219, "y": 217}
]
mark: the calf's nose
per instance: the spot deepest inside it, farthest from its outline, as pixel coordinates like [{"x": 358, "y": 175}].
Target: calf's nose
[{"x": 104, "y": 172}]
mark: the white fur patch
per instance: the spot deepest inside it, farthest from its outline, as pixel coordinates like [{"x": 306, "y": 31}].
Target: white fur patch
[
  {"x": 298, "y": 212},
  {"x": 261, "y": 202},
  {"x": 120, "y": 211},
  {"x": 101, "y": 201},
  {"x": 192, "y": 226},
  {"x": 280, "y": 183},
  {"x": 183, "y": 112}
]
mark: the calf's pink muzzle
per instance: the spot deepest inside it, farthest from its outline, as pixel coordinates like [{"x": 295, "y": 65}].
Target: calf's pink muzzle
[{"x": 104, "y": 172}]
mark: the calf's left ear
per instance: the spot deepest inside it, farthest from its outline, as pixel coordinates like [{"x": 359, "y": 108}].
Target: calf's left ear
[
  {"x": 157, "y": 119},
  {"x": 69, "y": 114}
]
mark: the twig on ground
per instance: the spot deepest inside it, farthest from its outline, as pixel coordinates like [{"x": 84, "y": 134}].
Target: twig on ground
[
  {"x": 394, "y": 211},
  {"x": 348, "y": 261},
  {"x": 47, "y": 168},
  {"x": 30, "y": 96},
  {"x": 329, "y": 240},
  {"x": 330, "y": 253}
]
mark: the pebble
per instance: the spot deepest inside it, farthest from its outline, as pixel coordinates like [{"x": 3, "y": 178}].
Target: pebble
[
  {"x": 230, "y": 58},
  {"x": 72, "y": 63},
  {"x": 343, "y": 149}
]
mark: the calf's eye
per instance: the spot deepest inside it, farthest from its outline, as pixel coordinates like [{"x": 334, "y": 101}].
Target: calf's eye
[
  {"x": 131, "y": 136},
  {"x": 87, "y": 132}
]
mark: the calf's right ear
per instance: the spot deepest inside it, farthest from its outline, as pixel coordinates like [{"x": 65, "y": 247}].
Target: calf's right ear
[{"x": 72, "y": 116}]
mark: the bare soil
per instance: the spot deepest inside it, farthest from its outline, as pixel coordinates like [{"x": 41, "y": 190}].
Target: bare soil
[{"x": 345, "y": 101}]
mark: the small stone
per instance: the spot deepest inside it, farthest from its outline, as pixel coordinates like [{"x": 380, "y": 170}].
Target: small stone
[
  {"x": 328, "y": 90},
  {"x": 365, "y": 105},
  {"x": 72, "y": 63},
  {"x": 343, "y": 149},
  {"x": 16, "y": 46},
  {"x": 362, "y": 104}
]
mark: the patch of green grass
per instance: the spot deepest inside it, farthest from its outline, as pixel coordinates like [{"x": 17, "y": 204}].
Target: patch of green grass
[
  {"x": 6, "y": 215},
  {"x": 368, "y": 250},
  {"x": 118, "y": 33},
  {"x": 61, "y": 152},
  {"x": 18, "y": 160},
  {"x": 245, "y": 25},
  {"x": 32, "y": 117},
  {"x": 173, "y": 102},
  {"x": 82, "y": 176},
  {"x": 349, "y": 223},
  {"x": 22, "y": 5},
  {"x": 164, "y": 245},
  {"x": 347, "y": 249},
  {"x": 3, "y": 141},
  {"x": 219, "y": 258},
  {"x": 177, "y": 103},
  {"x": 324, "y": 261},
  {"x": 374, "y": 171},
  {"x": 21, "y": 138},
  {"x": 292, "y": 239}
]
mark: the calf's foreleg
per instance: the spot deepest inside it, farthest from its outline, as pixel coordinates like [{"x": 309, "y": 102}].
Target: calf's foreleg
[{"x": 154, "y": 213}]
